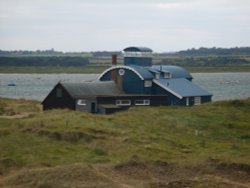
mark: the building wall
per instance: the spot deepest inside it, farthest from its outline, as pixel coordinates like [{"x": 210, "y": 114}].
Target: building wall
[
  {"x": 111, "y": 100},
  {"x": 140, "y": 61},
  {"x": 154, "y": 100},
  {"x": 132, "y": 84},
  {"x": 89, "y": 105},
  {"x": 52, "y": 101},
  {"x": 206, "y": 99}
]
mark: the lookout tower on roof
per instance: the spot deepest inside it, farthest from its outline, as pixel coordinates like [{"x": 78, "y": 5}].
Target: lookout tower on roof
[{"x": 140, "y": 56}]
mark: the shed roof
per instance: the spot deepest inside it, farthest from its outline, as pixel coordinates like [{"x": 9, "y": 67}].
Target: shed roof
[
  {"x": 176, "y": 71},
  {"x": 181, "y": 87},
  {"x": 137, "y": 49},
  {"x": 78, "y": 90}
]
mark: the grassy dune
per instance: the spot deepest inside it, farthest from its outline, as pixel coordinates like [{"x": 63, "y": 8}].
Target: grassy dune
[{"x": 141, "y": 147}]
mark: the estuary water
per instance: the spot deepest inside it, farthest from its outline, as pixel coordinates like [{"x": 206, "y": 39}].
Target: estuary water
[{"x": 223, "y": 86}]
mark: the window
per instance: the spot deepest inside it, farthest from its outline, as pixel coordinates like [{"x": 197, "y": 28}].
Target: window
[
  {"x": 59, "y": 92},
  {"x": 157, "y": 75},
  {"x": 123, "y": 102},
  {"x": 187, "y": 101},
  {"x": 81, "y": 102},
  {"x": 143, "y": 102},
  {"x": 147, "y": 83},
  {"x": 121, "y": 72},
  {"x": 197, "y": 100},
  {"x": 167, "y": 75}
]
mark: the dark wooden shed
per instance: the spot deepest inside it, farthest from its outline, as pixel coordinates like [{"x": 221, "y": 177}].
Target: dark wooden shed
[{"x": 97, "y": 97}]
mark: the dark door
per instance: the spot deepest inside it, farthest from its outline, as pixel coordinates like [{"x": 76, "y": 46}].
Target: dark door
[{"x": 93, "y": 107}]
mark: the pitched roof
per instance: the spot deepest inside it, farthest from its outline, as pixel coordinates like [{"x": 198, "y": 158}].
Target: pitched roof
[
  {"x": 137, "y": 49},
  {"x": 176, "y": 71},
  {"x": 78, "y": 90},
  {"x": 181, "y": 87}
]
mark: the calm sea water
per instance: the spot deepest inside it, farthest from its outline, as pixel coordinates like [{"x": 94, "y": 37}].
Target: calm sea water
[{"x": 37, "y": 86}]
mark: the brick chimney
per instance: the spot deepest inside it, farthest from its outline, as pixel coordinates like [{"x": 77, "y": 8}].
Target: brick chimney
[{"x": 113, "y": 72}]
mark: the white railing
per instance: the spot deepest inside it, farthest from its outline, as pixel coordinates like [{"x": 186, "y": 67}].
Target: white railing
[{"x": 137, "y": 54}]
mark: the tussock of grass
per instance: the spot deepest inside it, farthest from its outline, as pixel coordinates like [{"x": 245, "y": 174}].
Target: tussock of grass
[
  {"x": 12, "y": 107},
  {"x": 60, "y": 177}
]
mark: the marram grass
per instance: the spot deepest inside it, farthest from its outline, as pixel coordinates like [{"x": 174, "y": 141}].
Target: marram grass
[{"x": 219, "y": 130}]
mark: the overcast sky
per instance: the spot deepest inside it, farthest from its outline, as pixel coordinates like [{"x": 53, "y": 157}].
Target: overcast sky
[{"x": 90, "y": 25}]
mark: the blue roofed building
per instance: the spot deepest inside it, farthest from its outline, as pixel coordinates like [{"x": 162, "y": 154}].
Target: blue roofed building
[
  {"x": 136, "y": 83},
  {"x": 138, "y": 75}
]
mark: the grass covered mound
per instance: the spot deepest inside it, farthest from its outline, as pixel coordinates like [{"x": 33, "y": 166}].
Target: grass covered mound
[
  {"x": 12, "y": 107},
  {"x": 141, "y": 147}
]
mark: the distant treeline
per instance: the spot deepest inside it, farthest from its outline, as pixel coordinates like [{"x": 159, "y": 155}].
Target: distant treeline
[
  {"x": 42, "y": 53},
  {"x": 216, "y": 51},
  {"x": 105, "y": 53},
  {"x": 206, "y": 61},
  {"x": 58, "y": 53},
  {"x": 43, "y": 61}
]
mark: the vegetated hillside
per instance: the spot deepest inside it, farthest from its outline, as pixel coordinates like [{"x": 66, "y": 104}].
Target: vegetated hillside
[
  {"x": 201, "y": 146},
  {"x": 41, "y": 61},
  {"x": 41, "y": 58},
  {"x": 216, "y": 61},
  {"x": 217, "y": 51},
  {"x": 207, "y": 57}
]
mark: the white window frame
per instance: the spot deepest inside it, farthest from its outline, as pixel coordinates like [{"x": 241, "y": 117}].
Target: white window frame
[
  {"x": 147, "y": 83},
  {"x": 167, "y": 75},
  {"x": 123, "y": 102},
  {"x": 197, "y": 100},
  {"x": 81, "y": 102},
  {"x": 187, "y": 101},
  {"x": 142, "y": 102},
  {"x": 157, "y": 75}
]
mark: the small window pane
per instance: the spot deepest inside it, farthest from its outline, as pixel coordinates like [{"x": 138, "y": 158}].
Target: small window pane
[
  {"x": 197, "y": 100},
  {"x": 123, "y": 102},
  {"x": 81, "y": 102},
  {"x": 143, "y": 102},
  {"x": 58, "y": 92},
  {"x": 148, "y": 83},
  {"x": 157, "y": 75},
  {"x": 167, "y": 75}
]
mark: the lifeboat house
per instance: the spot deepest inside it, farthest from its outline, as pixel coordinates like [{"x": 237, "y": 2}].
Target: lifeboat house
[{"x": 136, "y": 83}]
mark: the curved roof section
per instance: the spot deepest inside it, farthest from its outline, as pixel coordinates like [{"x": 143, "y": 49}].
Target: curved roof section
[
  {"x": 137, "y": 49},
  {"x": 176, "y": 71},
  {"x": 141, "y": 72},
  {"x": 78, "y": 90}
]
